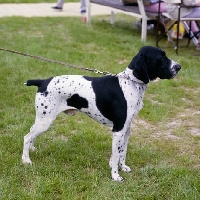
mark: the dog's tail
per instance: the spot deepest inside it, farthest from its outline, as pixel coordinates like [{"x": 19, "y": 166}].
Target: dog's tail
[{"x": 36, "y": 82}]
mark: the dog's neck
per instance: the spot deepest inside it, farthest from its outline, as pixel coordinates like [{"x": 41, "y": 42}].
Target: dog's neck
[{"x": 128, "y": 74}]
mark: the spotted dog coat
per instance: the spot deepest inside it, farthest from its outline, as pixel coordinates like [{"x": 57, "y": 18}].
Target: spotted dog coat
[{"x": 110, "y": 100}]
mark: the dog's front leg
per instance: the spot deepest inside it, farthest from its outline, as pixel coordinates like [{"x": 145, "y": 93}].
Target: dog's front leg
[
  {"x": 117, "y": 142},
  {"x": 122, "y": 161}
]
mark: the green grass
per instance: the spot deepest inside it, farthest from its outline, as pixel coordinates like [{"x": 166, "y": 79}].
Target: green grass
[{"x": 71, "y": 161}]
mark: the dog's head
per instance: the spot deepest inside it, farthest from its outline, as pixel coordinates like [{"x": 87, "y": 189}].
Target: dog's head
[{"x": 151, "y": 63}]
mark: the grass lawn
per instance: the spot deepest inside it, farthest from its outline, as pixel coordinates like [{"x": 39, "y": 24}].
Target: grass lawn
[{"x": 71, "y": 160}]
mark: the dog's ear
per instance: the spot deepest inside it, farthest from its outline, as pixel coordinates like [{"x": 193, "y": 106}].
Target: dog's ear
[{"x": 138, "y": 65}]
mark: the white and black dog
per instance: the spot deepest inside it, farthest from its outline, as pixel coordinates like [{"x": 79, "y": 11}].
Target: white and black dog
[{"x": 110, "y": 100}]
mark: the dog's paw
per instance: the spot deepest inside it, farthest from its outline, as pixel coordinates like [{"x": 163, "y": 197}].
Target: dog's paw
[
  {"x": 26, "y": 160},
  {"x": 117, "y": 178},
  {"x": 125, "y": 168}
]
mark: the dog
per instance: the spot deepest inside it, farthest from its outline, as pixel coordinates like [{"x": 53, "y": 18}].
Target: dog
[{"x": 110, "y": 100}]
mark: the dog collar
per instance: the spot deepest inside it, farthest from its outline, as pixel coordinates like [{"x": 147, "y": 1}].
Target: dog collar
[{"x": 127, "y": 74}]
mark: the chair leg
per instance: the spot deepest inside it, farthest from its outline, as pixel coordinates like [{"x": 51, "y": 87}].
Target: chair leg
[
  {"x": 144, "y": 30},
  {"x": 167, "y": 31},
  {"x": 191, "y": 34},
  {"x": 177, "y": 37},
  {"x": 112, "y": 17},
  {"x": 88, "y": 13}
]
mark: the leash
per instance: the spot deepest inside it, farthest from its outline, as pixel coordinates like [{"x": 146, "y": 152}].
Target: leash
[
  {"x": 58, "y": 62},
  {"x": 74, "y": 66}
]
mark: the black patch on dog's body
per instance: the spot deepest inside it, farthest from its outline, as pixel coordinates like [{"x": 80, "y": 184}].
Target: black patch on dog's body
[
  {"x": 110, "y": 100},
  {"x": 77, "y": 102}
]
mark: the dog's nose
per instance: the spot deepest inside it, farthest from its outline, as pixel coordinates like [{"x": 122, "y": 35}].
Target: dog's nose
[{"x": 177, "y": 67}]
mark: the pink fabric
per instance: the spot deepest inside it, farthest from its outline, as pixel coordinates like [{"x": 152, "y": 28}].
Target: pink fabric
[
  {"x": 195, "y": 13},
  {"x": 155, "y": 6},
  {"x": 194, "y": 27}
]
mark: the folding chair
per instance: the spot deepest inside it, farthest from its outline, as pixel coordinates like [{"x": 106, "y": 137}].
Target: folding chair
[
  {"x": 135, "y": 11},
  {"x": 163, "y": 16}
]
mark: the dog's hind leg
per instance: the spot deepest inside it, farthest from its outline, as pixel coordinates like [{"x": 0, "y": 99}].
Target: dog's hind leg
[{"x": 37, "y": 129}]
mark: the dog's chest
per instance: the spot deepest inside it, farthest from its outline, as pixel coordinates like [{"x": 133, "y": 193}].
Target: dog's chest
[{"x": 133, "y": 93}]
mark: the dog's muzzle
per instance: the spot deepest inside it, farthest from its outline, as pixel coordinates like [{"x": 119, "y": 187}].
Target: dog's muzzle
[{"x": 175, "y": 68}]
